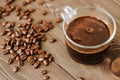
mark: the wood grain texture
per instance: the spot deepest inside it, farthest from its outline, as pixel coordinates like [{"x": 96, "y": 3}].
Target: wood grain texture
[{"x": 64, "y": 68}]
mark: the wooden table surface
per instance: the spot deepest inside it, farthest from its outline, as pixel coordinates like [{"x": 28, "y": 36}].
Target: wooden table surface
[{"x": 63, "y": 67}]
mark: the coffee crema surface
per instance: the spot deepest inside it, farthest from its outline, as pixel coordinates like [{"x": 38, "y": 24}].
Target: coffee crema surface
[{"x": 88, "y": 31}]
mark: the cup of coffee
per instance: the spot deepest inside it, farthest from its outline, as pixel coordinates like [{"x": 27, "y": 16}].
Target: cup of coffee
[{"x": 88, "y": 32}]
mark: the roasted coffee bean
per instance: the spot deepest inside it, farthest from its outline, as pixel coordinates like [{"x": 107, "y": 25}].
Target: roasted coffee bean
[
  {"x": 51, "y": 26},
  {"x": 10, "y": 60},
  {"x": 11, "y": 51},
  {"x": 14, "y": 55},
  {"x": 40, "y": 21},
  {"x": 44, "y": 38},
  {"x": 44, "y": 12},
  {"x": 41, "y": 51},
  {"x": 41, "y": 2},
  {"x": 8, "y": 47},
  {"x": 46, "y": 77},
  {"x": 58, "y": 20},
  {"x": 8, "y": 25},
  {"x": 36, "y": 64},
  {"x": 41, "y": 59},
  {"x": 32, "y": 61},
  {"x": 24, "y": 3},
  {"x": 30, "y": 58},
  {"x": 15, "y": 69},
  {"x": 4, "y": 23},
  {"x": 20, "y": 63},
  {"x": 5, "y": 52},
  {"x": 35, "y": 46},
  {"x": 17, "y": 58},
  {"x": 115, "y": 66},
  {"x": 50, "y": 59},
  {"x": 44, "y": 72},
  {"x": 81, "y": 78},
  {"x": 46, "y": 62},
  {"x": 3, "y": 32},
  {"x": 47, "y": 55},
  {"x": 9, "y": 33},
  {"x": 16, "y": 48},
  {"x": 52, "y": 40},
  {"x": 23, "y": 57},
  {"x": 3, "y": 46}
]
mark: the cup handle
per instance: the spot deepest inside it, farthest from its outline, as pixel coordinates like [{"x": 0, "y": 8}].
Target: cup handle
[{"x": 68, "y": 13}]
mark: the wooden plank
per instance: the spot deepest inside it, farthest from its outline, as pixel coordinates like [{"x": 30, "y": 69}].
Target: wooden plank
[
  {"x": 90, "y": 72},
  {"x": 27, "y": 72}
]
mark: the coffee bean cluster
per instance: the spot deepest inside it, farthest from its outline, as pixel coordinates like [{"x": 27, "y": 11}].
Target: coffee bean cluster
[{"x": 24, "y": 41}]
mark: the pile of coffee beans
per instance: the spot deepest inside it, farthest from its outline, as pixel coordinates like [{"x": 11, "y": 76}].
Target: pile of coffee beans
[{"x": 24, "y": 41}]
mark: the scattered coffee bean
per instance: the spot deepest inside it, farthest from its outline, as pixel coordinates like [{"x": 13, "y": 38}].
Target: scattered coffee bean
[
  {"x": 40, "y": 21},
  {"x": 58, "y": 20},
  {"x": 44, "y": 12},
  {"x": 115, "y": 67},
  {"x": 36, "y": 64},
  {"x": 41, "y": 2},
  {"x": 20, "y": 63},
  {"x": 52, "y": 40},
  {"x": 15, "y": 69},
  {"x": 81, "y": 78},
  {"x": 46, "y": 77},
  {"x": 46, "y": 62},
  {"x": 44, "y": 72},
  {"x": 10, "y": 60}
]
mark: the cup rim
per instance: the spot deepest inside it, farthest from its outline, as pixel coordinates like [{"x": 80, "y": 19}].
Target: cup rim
[{"x": 99, "y": 45}]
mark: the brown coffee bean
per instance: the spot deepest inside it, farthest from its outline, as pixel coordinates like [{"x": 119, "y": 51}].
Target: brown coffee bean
[
  {"x": 44, "y": 38},
  {"x": 3, "y": 32},
  {"x": 47, "y": 55},
  {"x": 9, "y": 33},
  {"x": 41, "y": 51},
  {"x": 81, "y": 78},
  {"x": 46, "y": 62},
  {"x": 46, "y": 77},
  {"x": 8, "y": 25},
  {"x": 17, "y": 58},
  {"x": 30, "y": 58},
  {"x": 41, "y": 2},
  {"x": 23, "y": 57},
  {"x": 36, "y": 64},
  {"x": 3, "y": 46},
  {"x": 51, "y": 26},
  {"x": 5, "y": 52},
  {"x": 8, "y": 47},
  {"x": 4, "y": 23},
  {"x": 20, "y": 63},
  {"x": 24, "y": 3},
  {"x": 16, "y": 48},
  {"x": 50, "y": 59},
  {"x": 10, "y": 60},
  {"x": 58, "y": 20},
  {"x": 44, "y": 12},
  {"x": 45, "y": 28},
  {"x": 11, "y": 51},
  {"x": 35, "y": 46},
  {"x": 41, "y": 59},
  {"x": 15, "y": 69},
  {"x": 40, "y": 21},
  {"x": 44, "y": 72},
  {"x": 14, "y": 55},
  {"x": 31, "y": 9},
  {"x": 32, "y": 61},
  {"x": 115, "y": 67},
  {"x": 52, "y": 40}
]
